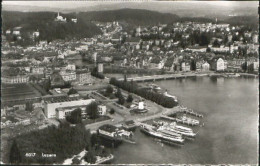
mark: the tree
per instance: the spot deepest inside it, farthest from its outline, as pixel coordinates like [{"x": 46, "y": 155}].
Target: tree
[
  {"x": 109, "y": 89},
  {"x": 112, "y": 111},
  {"x": 94, "y": 140},
  {"x": 118, "y": 93},
  {"x": 72, "y": 91},
  {"x": 129, "y": 98},
  {"x": 75, "y": 116},
  {"x": 15, "y": 155},
  {"x": 216, "y": 43},
  {"x": 251, "y": 68},
  {"x": 29, "y": 106},
  {"x": 75, "y": 161},
  {"x": 193, "y": 65},
  {"x": 92, "y": 110},
  {"x": 90, "y": 157},
  {"x": 47, "y": 85},
  {"x": 244, "y": 66},
  {"x": 121, "y": 100}
]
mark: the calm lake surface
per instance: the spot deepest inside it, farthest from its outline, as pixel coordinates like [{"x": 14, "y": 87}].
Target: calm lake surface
[{"x": 230, "y": 134}]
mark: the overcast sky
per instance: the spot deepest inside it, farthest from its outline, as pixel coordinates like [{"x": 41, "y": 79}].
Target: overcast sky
[{"x": 75, "y": 4}]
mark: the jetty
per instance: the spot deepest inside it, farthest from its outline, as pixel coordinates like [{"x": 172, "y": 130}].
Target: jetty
[{"x": 191, "y": 112}]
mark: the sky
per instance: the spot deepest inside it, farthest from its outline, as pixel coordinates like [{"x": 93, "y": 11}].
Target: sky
[
  {"x": 76, "y": 4},
  {"x": 181, "y": 8}
]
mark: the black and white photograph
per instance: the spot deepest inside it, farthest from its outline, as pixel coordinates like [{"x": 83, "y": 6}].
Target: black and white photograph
[{"x": 129, "y": 82}]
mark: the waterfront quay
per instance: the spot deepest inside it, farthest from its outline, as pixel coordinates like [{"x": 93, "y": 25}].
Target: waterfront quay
[{"x": 182, "y": 75}]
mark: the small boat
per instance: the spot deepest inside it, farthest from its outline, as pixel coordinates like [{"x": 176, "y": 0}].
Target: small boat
[
  {"x": 171, "y": 96},
  {"x": 154, "y": 86}
]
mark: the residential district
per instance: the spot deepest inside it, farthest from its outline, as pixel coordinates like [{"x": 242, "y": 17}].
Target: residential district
[{"x": 51, "y": 83}]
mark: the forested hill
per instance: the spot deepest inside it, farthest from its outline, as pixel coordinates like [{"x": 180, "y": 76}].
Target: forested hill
[
  {"x": 48, "y": 28},
  {"x": 131, "y": 16}
]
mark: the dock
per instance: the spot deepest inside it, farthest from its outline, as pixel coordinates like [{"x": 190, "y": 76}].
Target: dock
[{"x": 191, "y": 112}]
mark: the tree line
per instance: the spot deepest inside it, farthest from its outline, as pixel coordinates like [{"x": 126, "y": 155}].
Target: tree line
[
  {"x": 64, "y": 141},
  {"x": 132, "y": 87}
]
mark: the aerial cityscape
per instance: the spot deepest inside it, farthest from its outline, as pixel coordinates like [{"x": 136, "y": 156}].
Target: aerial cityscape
[{"x": 129, "y": 83}]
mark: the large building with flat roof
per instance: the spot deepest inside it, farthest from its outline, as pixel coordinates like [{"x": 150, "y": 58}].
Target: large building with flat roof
[{"x": 50, "y": 107}]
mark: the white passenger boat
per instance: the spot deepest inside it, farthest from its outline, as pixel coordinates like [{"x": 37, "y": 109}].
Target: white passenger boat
[
  {"x": 187, "y": 120},
  {"x": 173, "y": 127},
  {"x": 163, "y": 136}
]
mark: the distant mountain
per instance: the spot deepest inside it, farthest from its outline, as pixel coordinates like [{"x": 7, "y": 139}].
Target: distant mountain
[
  {"x": 208, "y": 9},
  {"x": 251, "y": 21}
]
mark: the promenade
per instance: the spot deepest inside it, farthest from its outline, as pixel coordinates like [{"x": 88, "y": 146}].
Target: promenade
[{"x": 181, "y": 75}]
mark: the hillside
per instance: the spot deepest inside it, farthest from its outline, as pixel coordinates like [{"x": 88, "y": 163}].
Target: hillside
[
  {"x": 131, "y": 16},
  {"x": 48, "y": 28}
]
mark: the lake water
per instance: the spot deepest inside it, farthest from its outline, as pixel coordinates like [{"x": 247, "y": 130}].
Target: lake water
[{"x": 230, "y": 134}]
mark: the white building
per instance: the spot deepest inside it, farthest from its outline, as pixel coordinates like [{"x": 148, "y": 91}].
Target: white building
[
  {"x": 256, "y": 66},
  {"x": 100, "y": 68},
  {"x": 36, "y": 34},
  {"x": 71, "y": 67},
  {"x": 15, "y": 79},
  {"x": 17, "y": 31},
  {"x": 51, "y": 106},
  {"x": 141, "y": 105},
  {"x": 75, "y": 20},
  {"x": 221, "y": 65},
  {"x": 205, "y": 66},
  {"x": 102, "y": 109},
  {"x": 60, "y": 18},
  {"x": 68, "y": 76}
]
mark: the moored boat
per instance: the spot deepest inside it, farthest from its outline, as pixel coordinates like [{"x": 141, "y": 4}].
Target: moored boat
[{"x": 150, "y": 130}]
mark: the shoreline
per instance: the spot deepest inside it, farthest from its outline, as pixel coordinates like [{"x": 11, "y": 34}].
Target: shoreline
[{"x": 186, "y": 75}]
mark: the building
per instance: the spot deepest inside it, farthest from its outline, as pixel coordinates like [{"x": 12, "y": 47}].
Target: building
[
  {"x": 17, "y": 31},
  {"x": 75, "y": 20},
  {"x": 38, "y": 70},
  {"x": 221, "y": 65},
  {"x": 83, "y": 76},
  {"x": 205, "y": 66},
  {"x": 157, "y": 64},
  {"x": 36, "y": 34},
  {"x": 57, "y": 79},
  {"x": 102, "y": 109},
  {"x": 255, "y": 38},
  {"x": 60, "y": 18},
  {"x": 15, "y": 79},
  {"x": 141, "y": 105},
  {"x": 100, "y": 68},
  {"x": 256, "y": 66},
  {"x": 71, "y": 67},
  {"x": 108, "y": 130},
  {"x": 68, "y": 75},
  {"x": 51, "y": 107}
]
